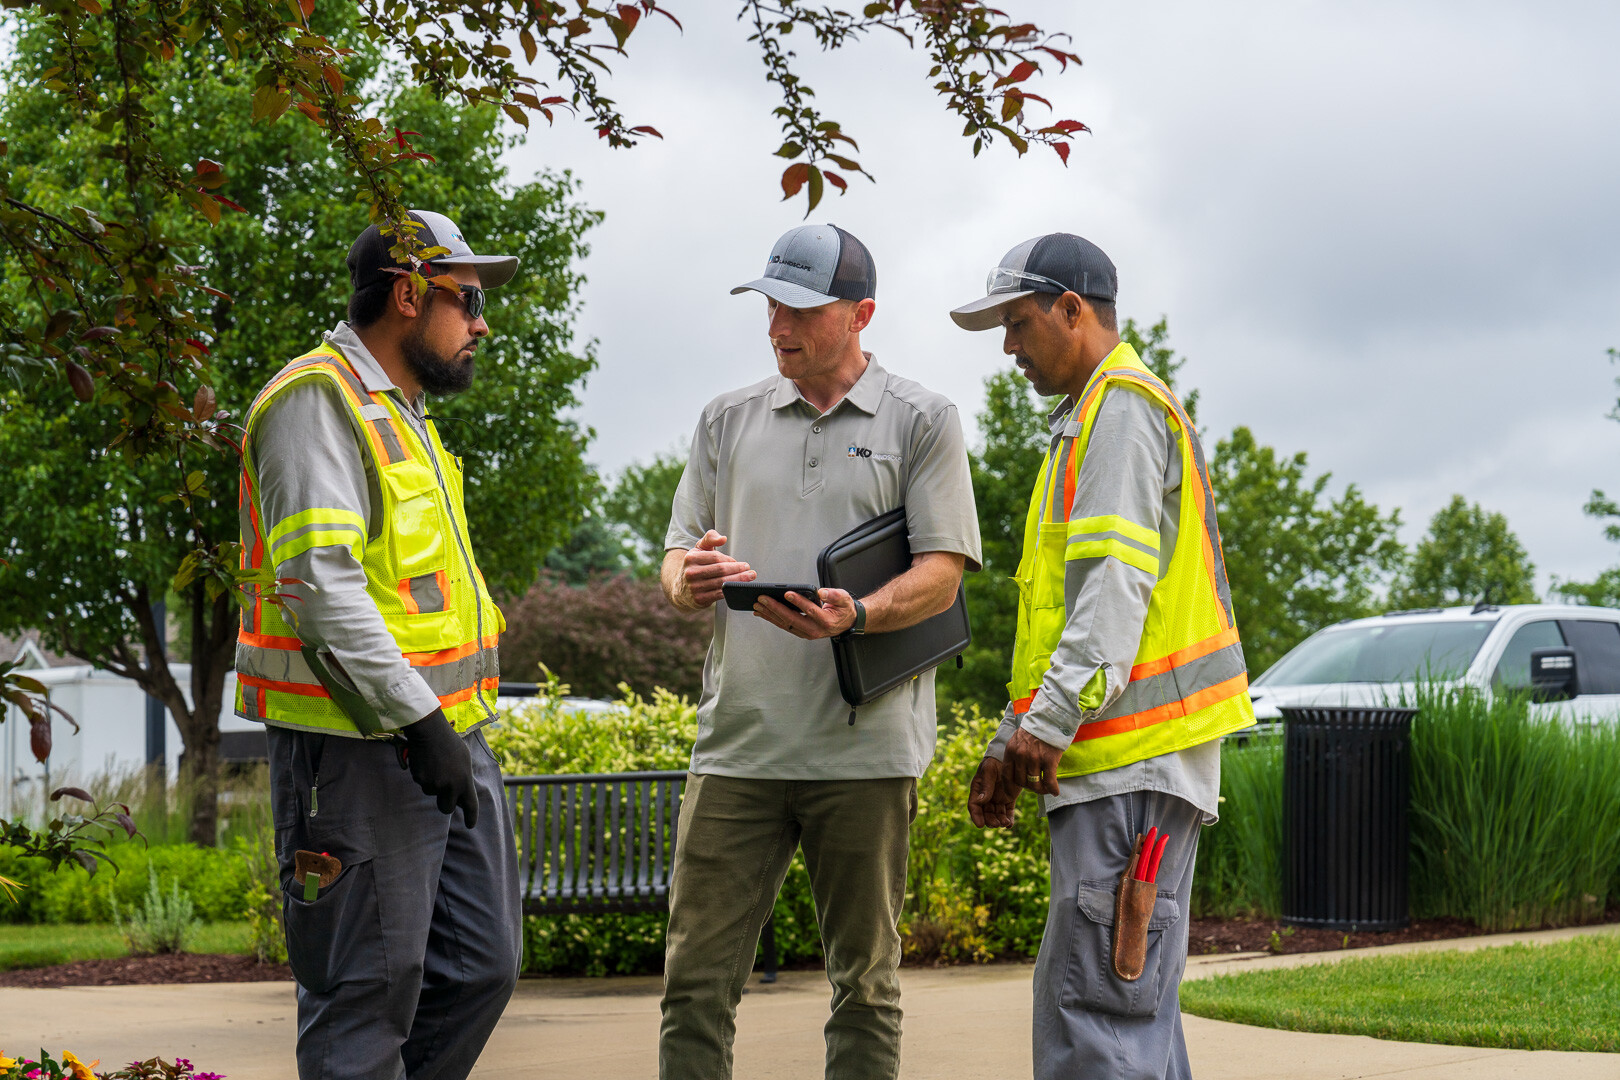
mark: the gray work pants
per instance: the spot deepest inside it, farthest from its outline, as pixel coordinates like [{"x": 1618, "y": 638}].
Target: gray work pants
[
  {"x": 732, "y": 852},
  {"x": 405, "y": 961},
  {"x": 1089, "y": 1023}
]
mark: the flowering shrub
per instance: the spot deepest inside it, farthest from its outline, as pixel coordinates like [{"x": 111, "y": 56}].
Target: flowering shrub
[{"x": 71, "y": 1068}]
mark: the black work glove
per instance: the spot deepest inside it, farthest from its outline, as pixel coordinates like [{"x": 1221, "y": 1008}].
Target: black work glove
[{"x": 440, "y": 764}]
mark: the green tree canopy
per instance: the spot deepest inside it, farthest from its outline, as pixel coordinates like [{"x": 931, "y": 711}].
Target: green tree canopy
[
  {"x": 1468, "y": 555},
  {"x": 639, "y": 504},
  {"x": 1013, "y": 439},
  {"x": 92, "y": 535},
  {"x": 1296, "y": 559}
]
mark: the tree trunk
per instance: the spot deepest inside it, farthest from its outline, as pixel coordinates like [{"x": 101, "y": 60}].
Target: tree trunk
[{"x": 213, "y": 649}]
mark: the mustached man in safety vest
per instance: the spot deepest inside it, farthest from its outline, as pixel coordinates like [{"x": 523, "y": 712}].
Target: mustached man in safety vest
[
  {"x": 1126, "y": 669},
  {"x": 374, "y": 676}
]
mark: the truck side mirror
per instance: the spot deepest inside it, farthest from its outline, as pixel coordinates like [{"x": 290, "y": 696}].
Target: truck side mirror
[{"x": 1552, "y": 674}]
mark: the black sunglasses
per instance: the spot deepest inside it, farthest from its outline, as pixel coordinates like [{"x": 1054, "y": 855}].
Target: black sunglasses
[{"x": 472, "y": 297}]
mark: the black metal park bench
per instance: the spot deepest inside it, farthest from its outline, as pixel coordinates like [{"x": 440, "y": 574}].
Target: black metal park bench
[{"x": 590, "y": 843}]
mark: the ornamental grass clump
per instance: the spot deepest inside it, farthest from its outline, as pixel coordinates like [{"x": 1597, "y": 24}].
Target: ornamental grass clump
[
  {"x": 1515, "y": 816},
  {"x": 164, "y": 923},
  {"x": 1239, "y": 871}
]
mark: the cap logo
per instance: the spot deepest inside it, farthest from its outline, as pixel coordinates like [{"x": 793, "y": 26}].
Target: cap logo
[{"x": 790, "y": 262}]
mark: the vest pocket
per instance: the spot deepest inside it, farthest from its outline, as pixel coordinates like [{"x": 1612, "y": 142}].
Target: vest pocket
[
  {"x": 1046, "y": 590},
  {"x": 418, "y": 531},
  {"x": 1089, "y": 981}
]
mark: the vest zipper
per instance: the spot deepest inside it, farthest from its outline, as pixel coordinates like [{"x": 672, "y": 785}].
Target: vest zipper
[
  {"x": 472, "y": 575},
  {"x": 314, "y": 795}
]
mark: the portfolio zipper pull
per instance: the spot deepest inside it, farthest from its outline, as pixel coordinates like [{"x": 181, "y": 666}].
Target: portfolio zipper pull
[{"x": 852, "y": 718}]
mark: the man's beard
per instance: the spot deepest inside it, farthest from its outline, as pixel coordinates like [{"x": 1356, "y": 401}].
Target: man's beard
[{"x": 438, "y": 376}]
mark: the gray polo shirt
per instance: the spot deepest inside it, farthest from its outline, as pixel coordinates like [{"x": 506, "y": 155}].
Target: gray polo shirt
[{"x": 782, "y": 481}]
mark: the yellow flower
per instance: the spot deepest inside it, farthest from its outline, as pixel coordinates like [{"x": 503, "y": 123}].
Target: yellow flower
[
  {"x": 8, "y": 1063},
  {"x": 79, "y": 1069}
]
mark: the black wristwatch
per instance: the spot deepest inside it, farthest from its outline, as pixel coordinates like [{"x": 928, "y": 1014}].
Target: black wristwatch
[{"x": 860, "y": 621}]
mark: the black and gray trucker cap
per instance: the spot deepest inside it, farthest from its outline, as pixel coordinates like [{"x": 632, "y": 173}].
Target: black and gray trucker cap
[
  {"x": 1054, "y": 263},
  {"x": 369, "y": 260},
  {"x": 814, "y": 265}
]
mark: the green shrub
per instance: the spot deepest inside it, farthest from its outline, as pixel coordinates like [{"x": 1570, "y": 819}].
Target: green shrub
[
  {"x": 971, "y": 894},
  {"x": 162, "y": 923},
  {"x": 215, "y": 880}
]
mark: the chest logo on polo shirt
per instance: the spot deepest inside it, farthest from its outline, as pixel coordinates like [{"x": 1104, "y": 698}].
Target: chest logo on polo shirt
[{"x": 863, "y": 452}]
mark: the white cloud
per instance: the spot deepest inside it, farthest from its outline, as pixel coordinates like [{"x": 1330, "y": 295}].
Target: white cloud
[{"x": 1383, "y": 234}]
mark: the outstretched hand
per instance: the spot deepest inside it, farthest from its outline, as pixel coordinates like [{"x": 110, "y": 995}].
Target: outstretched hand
[
  {"x": 988, "y": 805},
  {"x": 705, "y": 569}
]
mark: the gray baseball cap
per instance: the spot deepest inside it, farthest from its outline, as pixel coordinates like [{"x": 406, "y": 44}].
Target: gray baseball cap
[
  {"x": 369, "y": 259},
  {"x": 1054, "y": 263},
  {"x": 813, "y": 265}
]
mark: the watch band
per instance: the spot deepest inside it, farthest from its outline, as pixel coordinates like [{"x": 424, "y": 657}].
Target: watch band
[{"x": 860, "y": 620}]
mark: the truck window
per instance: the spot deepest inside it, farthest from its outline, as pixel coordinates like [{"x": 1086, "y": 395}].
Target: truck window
[
  {"x": 1513, "y": 673},
  {"x": 1597, "y": 654}
]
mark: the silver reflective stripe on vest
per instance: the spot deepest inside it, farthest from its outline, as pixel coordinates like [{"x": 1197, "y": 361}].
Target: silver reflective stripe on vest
[
  {"x": 1081, "y": 538},
  {"x": 457, "y": 675},
  {"x": 426, "y": 594},
  {"x": 276, "y": 665},
  {"x": 1178, "y": 683}
]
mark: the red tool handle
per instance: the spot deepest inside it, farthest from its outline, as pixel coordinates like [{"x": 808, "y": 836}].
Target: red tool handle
[
  {"x": 1158, "y": 857},
  {"x": 1147, "y": 855}
]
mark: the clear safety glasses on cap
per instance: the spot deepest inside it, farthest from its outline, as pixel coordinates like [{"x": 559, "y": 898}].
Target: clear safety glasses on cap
[{"x": 1005, "y": 279}]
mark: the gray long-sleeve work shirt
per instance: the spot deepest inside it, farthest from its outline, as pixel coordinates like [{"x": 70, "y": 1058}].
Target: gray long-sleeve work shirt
[
  {"x": 308, "y": 456},
  {"x": 1132, "y": 469}
]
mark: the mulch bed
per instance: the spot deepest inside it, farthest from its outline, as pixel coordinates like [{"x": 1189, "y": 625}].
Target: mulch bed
[
  {"x": 148, "y": 971},
  {"x": 1273, "y": 936}
]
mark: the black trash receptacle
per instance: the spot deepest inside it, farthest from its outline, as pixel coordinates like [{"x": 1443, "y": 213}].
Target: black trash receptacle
[{"x": 1347, "y": 779}]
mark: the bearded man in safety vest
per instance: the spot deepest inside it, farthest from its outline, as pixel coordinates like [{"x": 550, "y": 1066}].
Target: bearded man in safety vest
[
  {"x": 1126, "y": 671},
  {"x": 375, "y": 673}
]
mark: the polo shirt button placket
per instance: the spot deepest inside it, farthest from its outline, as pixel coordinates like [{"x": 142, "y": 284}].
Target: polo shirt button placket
[{"x": 814, "y": 451}]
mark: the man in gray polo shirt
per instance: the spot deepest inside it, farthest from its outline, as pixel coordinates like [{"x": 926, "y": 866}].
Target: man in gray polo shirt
[{"x": 778, "y": 470}]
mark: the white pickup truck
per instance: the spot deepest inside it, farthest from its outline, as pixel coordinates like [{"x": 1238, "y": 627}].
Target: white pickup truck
[{"x": 1568, "y": 656}]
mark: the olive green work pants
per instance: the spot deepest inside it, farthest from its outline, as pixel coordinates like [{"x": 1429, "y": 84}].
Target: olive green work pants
[{"x": 736, "y": 838}]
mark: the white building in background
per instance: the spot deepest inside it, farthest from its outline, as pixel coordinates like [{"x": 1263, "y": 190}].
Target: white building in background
[{"x": 111, "y": 712}]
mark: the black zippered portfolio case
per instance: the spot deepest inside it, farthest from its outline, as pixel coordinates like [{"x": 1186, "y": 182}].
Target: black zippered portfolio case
[{"x": 861, "y": 561}]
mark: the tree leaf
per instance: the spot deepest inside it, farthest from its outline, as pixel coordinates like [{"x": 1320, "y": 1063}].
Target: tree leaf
[
  {"x": 793, "y": 178},
  {"x": 39, "y": 737},
  {"x": 72, "y": 793},
  {"x": 530, "y": 49}
]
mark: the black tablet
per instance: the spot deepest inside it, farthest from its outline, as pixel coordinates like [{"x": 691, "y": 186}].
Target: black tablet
[{"x": 740, "y": 595}]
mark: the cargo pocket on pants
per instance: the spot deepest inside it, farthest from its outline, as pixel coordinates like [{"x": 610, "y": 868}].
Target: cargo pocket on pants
[
  {"x": 337, "y": 937},
  {"x": 1089, "y": 982}
]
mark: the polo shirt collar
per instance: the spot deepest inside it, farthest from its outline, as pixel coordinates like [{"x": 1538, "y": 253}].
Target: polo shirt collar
[
  {"x": 372, "y": 376},
  {"x": 866, "y": 395}
]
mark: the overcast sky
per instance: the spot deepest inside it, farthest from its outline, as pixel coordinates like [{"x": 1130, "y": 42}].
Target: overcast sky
[{"x": 1384, "y": 234}]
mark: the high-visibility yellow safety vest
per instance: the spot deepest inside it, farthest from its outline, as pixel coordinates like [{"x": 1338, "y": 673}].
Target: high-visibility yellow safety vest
[
  {"x": 419, "y": 571},
  {"x": 1189, "y": 683}
]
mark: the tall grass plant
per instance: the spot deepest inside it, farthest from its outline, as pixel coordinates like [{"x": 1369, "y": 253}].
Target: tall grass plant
[
  {"x": 1239, "y": 871},
  {"x": 1515, "y": 817}
]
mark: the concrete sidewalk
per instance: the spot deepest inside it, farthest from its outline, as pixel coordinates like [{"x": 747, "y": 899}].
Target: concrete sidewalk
[{"x": 962, "y": 1023}]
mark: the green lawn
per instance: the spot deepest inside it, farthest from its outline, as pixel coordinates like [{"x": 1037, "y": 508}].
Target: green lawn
[
  {"x": 1564, "y": 996},
  {"x": 37, "y": 946}
]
